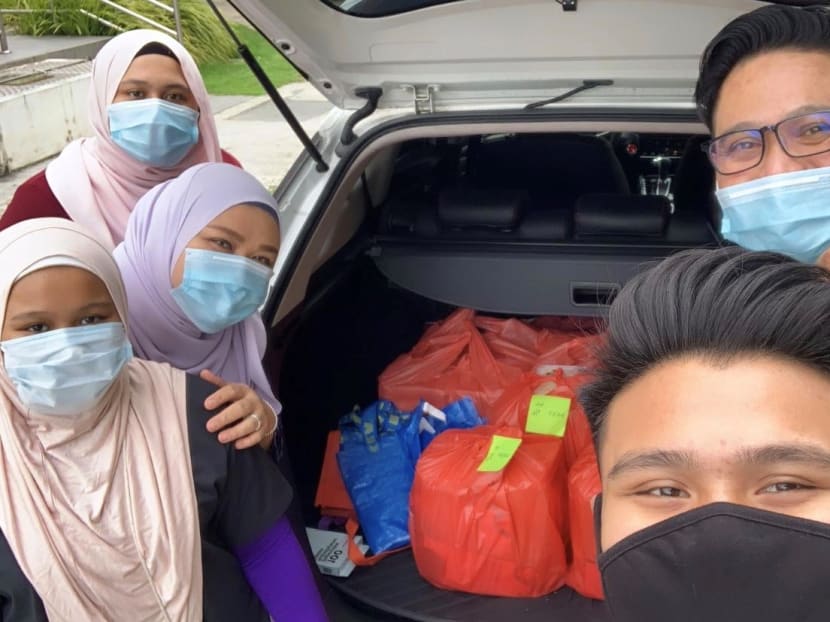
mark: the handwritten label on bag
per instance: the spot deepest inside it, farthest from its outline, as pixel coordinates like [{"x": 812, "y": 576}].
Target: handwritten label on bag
[
  {"x": 548, "y": 414},
  {"x": 502, "y": 449}
]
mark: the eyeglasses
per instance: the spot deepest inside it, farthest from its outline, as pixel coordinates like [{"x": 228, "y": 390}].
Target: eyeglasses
[{"x": 741, "y": 150}]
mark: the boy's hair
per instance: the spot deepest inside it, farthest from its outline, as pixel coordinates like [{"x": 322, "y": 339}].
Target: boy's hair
[{"x": 717, "y": 304}]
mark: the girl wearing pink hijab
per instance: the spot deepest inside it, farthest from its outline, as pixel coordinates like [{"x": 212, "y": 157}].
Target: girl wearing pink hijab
[
  {"x": 151, "y": 118},
  {"x": 197, "y": 259},
  {"x": 115, "y": 503}
]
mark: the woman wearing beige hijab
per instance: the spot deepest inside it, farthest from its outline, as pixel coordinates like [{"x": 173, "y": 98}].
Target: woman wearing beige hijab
[{"x": 102, "y": 515}]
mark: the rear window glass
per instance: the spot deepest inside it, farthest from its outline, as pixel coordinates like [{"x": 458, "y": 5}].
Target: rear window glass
[{"x": 381, "y": 8}]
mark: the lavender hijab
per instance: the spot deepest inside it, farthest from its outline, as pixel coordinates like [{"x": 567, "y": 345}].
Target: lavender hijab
[{"x": 162, "y": 224}]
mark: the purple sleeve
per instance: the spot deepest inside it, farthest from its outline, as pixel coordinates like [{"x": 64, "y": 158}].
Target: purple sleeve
[{"x": 278, "y": 572}]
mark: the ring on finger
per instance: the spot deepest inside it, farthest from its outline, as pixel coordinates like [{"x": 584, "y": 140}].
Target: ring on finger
[{"x": 258, "y": 420}]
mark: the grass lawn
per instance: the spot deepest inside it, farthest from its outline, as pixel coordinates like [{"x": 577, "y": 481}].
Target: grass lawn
[{"x": 234, "y": 78}]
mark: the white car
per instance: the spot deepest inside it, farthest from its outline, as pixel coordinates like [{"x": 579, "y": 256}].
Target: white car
[{"x": 520, "y": 157}]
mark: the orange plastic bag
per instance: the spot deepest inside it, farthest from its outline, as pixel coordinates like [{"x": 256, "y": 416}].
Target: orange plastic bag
[
  {"x": 332, "y": 497},
  {"x": 451, "y": 361},
  {"x": 583, "y": 486},
  {"x": 512, "y": 407},
  {"x": 495, "y": 533}
]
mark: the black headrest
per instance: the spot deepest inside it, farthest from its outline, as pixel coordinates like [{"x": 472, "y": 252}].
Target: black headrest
[
  {"x": 469, "y": 206},
  {"x": 626, "y": 215}
]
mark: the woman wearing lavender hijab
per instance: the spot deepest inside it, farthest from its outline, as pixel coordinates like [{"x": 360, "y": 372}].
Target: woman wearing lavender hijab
[{"x": 197, "y": 258}]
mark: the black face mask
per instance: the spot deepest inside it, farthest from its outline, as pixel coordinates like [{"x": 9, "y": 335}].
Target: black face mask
[{"x": 720, "y": 563}]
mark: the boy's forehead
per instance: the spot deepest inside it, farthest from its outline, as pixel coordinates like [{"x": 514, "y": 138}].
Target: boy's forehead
[{"x": 710, "y": 412}]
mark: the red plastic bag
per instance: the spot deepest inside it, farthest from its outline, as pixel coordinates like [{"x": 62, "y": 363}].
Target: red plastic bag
[
  {"x": 583, "y": 486},
  {"x": 451, "y": 361},
  {"x": 512, "y": 407},
  {"x": 517, "y": 343},
  {"x": 579, "y": 351},
  {"x": 574, "y": 324},
  {"x": 496, "y": 533}
]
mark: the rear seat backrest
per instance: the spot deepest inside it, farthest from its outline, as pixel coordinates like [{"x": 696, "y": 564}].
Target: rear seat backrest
[{"x": 609, "y": 215}]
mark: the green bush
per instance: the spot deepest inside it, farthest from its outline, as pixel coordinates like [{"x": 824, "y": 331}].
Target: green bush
[
  {"x": 202, "y": 32},
  {"x": 55, "y": 17}
]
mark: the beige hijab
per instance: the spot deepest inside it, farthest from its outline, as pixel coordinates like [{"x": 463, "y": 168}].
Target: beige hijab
[{"x": 100, "y": 509}]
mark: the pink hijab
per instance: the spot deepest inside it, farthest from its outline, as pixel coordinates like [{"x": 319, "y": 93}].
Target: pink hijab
[
  {"x": 99, "y": 509},
  {"x": 98, "y": 183}
]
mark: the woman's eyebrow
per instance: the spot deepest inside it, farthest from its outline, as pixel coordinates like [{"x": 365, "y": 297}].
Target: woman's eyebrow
[
  {"x": 134, "y": 82},
  {"x": 29, "y": 316},
  {"x": 655, "y": 458},
  {"x": 145, "y": 83},
  {"x": 229, "y": 232},
  {"x": 95, "y": 305},
  {"x": 269, "y": 248}
]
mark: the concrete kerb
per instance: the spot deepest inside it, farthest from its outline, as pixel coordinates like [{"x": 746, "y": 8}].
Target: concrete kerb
[{"x": 242, "y": 107}]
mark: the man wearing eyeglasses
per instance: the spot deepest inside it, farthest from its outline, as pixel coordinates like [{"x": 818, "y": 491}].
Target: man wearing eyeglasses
[{"x": 764, "y": 93}]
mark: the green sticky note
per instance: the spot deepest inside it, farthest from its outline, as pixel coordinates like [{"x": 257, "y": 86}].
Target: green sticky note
[
  {"x": 548, "y": 414},
  {"x": 502, "y": 449}
]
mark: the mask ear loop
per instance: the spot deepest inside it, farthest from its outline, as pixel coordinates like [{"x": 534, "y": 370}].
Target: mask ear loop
[
  {"x": 598, "y": 540},
  {"x": 598, "y": 522}
]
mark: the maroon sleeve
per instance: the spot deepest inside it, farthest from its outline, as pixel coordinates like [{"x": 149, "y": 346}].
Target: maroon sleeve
[
  {"x": 32, "y": 199},
  {"x": 35, "y": 199},
  {"x": 227, "y": 158}
]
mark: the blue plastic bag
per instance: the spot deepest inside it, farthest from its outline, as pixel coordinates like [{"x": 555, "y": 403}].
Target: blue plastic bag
[
  {"x": 459, "y": 414},
  {"x": 379, "y": 448},
  {"x": 378, "y": 451}
]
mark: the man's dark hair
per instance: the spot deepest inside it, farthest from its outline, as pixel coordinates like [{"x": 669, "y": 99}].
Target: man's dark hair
[
  {"x": 716, "y": 304},
  {"x": 773, "y": 27}
]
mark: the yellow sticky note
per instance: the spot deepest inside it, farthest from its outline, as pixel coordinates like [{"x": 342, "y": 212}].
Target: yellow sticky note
[
  {"x": 502, "y": 449},
  {"x": 548, "y": 414}
]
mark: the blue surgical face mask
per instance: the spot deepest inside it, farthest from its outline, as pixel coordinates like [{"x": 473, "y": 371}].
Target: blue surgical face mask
[
  {"x": 154, "y": 131},
  {"x": 66, "y": 371},
  {"x": 788, "y": 213},
  {"x": 219, "y": 290}
]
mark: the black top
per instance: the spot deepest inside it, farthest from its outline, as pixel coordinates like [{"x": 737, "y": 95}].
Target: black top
[{"x": 241, "y": 494}]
